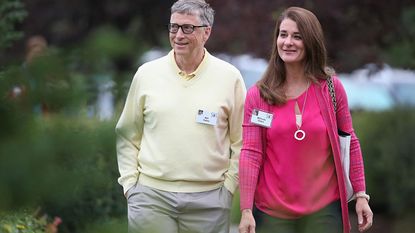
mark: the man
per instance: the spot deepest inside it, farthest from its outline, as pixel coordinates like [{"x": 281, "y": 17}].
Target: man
[{"x": 179, "y": 135}]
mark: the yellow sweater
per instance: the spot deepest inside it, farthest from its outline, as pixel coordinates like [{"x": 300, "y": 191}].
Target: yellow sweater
[{"x": 160, "y": 142}]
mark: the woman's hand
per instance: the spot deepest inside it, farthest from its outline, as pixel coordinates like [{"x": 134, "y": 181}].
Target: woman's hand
[
  {"x": 364, "y": 214},
  {"x": 247, "y": 224}
]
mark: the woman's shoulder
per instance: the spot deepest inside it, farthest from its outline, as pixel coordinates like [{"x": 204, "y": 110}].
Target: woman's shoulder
[
  {"x": 253, "y": 98},
  {"x": 335, "y": 79},
  {"x": 338, "y": 85},
  {"x": 253, "y": 92}
]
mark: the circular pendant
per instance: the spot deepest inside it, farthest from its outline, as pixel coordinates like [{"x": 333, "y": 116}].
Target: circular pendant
[{"x": 299, "y": 135}]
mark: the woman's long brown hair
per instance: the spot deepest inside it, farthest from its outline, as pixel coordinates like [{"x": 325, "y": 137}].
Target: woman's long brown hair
[{"x": 271, "y": 85}]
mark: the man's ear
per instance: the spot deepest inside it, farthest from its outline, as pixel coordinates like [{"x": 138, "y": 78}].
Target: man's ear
[{"x": 206, "y": 34}]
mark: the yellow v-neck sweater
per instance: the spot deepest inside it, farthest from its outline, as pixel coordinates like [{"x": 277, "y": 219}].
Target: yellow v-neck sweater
[{"x": 160, "y": 143}]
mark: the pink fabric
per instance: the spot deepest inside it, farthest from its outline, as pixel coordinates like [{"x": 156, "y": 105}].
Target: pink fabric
[
  {"x": 251, "y": 159},
  {"x": 300, "y": 176}
]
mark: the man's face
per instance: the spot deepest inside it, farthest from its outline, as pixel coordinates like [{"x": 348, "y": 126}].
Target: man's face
[{"x": 187, "y": 44}]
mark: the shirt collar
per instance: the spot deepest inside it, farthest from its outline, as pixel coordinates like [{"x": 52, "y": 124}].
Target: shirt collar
[{"x": 182, "y": 73}]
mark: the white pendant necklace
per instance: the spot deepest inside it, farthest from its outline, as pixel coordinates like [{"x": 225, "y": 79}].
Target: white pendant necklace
[{"x": 299, "y": 133}]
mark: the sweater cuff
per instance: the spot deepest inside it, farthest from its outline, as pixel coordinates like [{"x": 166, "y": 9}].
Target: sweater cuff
[
  {"x": 127, "y": 183},
  {"x": 231, "y": 186}
]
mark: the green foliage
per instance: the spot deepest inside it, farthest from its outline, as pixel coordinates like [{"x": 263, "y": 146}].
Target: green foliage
[
  {"x": 59, "y": 87},
  {"x": 92, "y": 164},
  {"x": 107, "y": 54},
  {"x": 22, "y": 222},
  {"x": 51, "y": 84},
  {"x": 235, "y": 209},
  {"x": 12, "y": 110},
  {"x": 11, "y": 12},
  {"x": 67, "y": 166},
  {"x": 408, "y": 20},
  {"x": 108, "y": 41},
  {"x": 388, "y": 150},
  {"x": 56, "y": 158},
  {"x": 45, "y": 85},
  {"x": 108, "y": 226},
  {"x": 402, "y": 53}
]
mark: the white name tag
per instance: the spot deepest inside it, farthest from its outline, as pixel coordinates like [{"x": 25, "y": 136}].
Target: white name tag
[
  {"x": 261, "y": 118},
  {"x": 206, "y": 117}
]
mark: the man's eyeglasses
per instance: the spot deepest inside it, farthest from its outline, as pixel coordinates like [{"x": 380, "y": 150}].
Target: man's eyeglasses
[{"x": 186, "y": 28}]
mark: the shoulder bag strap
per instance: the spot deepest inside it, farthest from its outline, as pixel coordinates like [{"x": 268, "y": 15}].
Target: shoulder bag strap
[{"x": 332, "y": 92}]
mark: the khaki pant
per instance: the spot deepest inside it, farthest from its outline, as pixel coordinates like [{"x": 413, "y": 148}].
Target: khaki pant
[{"x": 155, "y": 211}]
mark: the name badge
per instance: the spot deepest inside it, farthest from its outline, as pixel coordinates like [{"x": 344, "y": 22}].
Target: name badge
[
  {"x": 206, "y": 117},
  {"x": 261, "y": 118}
]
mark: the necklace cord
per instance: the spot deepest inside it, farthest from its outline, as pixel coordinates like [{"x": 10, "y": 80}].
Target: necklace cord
[{"x": 299, "y": 134}]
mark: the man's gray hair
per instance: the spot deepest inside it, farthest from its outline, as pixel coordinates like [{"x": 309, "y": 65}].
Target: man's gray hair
[{"x": 195, "y": 7}]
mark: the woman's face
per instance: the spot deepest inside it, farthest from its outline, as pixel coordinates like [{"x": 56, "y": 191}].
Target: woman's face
[{"x": 290, "y": 43}]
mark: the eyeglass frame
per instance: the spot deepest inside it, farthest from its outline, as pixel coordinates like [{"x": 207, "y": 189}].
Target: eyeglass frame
[{"x": 169, "y": 27}]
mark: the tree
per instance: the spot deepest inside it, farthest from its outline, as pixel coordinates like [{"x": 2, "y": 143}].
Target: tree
[
  {"x": 357, "y": 31},
  {"x": 11, "y": 13}
]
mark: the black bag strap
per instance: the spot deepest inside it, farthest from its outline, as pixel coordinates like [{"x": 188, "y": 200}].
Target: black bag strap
[{"x": 333, "y": 99}]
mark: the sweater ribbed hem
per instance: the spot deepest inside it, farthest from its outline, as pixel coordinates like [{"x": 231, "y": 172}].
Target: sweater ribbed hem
[{"x": 179, "y": 186}]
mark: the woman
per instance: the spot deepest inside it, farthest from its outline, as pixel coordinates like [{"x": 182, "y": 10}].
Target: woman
[{"x": 290, "y": 160}]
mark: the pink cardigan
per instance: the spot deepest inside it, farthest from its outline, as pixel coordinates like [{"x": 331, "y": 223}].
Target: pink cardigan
[{"x": 251, "y": 154}]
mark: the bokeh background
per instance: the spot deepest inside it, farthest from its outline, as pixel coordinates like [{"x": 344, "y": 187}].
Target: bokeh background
[{"x": 65, "y": 69}]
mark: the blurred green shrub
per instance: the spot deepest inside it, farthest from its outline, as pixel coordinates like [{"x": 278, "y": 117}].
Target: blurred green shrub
[
  {"x": 388, "y": 150},
  {"x": 109, "y": 43},
  {"x": 55, "y": 155},
  {"x": 11, "y": 13},
  {"x": 91, "y": 162},
  {"x": 22, "y": 222},
  {"x": 67, "y": 166},
  {"x": 43, "y": 86},
  {"x": 51, "y": 84},
  {"x": 402, "y": 52},
  {"x": 57, "y": 159},
  {"x": 118, "y": 225}
]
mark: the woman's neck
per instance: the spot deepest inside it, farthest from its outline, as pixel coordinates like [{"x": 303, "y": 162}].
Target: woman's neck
[
  {"x": 296, "y": 82},
  {"x": 295, "y": 73}
]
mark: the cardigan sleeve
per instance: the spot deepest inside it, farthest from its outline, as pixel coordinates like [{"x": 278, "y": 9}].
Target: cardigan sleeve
[
  {"x": 252, "y": 151},
  {"x": 344, "y": 123}
]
